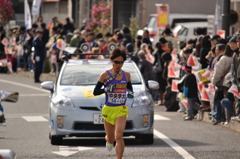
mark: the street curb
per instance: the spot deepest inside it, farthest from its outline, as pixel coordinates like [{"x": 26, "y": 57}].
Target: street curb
[{"x": 233, "y": 124}]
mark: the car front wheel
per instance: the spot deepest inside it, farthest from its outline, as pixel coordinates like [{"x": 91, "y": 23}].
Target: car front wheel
[
  {"x": 145, "y": 138},
  {"x": 56, "y": 140}
]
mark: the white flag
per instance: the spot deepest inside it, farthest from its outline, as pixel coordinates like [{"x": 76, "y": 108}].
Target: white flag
[
  {"x": 36, "y": 7},
  {"x": 27, "y": 15}
]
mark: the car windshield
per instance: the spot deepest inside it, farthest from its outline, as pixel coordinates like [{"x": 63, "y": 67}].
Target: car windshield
[{"x": 86, "y": 74}]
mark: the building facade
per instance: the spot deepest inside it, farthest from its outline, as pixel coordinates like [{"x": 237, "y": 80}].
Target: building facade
[{"x": 122, "y": 10}]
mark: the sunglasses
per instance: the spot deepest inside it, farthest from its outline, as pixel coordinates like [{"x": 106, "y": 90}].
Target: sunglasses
[{"x": 118, "y": 62}]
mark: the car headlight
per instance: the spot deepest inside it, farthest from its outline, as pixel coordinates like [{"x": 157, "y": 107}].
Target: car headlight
[
  {"x": 141, "y": 101},
  {"x": 63, "y": 101}
]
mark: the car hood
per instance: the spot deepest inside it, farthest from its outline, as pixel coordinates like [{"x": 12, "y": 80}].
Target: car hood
[{"x": 83, "y": 95}]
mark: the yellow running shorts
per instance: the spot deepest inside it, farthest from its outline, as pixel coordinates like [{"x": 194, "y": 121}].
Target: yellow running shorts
[{"x": 111, "y": 113}]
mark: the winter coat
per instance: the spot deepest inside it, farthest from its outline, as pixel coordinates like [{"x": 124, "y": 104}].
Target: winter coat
[{"x": 222, "y": 67}]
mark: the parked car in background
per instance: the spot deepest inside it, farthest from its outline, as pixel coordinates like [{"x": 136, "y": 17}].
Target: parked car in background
[
  {"x": 173, "y": 19},
  {"x": 75, "y": 111},
  {"x": 187, "y": 31}
]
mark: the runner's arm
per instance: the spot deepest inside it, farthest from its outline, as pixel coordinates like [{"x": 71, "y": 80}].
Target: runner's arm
[{"x": 98, "y": 88}]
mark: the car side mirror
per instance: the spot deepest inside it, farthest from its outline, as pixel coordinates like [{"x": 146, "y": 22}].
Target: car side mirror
[
  {"x": 48, "y": 85},
  {"x": 153, "y": 84},
  {"x": 9, "y": 96}
]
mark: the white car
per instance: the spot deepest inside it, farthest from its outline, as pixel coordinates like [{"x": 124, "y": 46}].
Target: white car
[
  {"x": 173, "y": 19},
  {"x": 186, "y": 31},
  {"x": 75, "y": 111}
]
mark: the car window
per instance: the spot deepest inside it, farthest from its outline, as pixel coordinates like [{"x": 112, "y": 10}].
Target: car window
[
  {"x": 176, "y": 29},
  {"x": 89, "y": 74},
  {"x": 187, "y": 20}
]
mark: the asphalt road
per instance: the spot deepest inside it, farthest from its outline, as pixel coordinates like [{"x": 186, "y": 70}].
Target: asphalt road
[{"x": 27, "y": 132}]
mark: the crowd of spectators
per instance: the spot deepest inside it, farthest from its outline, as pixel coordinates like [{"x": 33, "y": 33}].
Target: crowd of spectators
[{"x": 209, "y": 64}]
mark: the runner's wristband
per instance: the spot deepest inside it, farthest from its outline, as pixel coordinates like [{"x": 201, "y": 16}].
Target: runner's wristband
[{"x": 130, "y": 94}]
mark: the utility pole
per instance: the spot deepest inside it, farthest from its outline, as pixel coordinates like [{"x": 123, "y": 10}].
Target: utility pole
[{"x": 226, "y": 17}]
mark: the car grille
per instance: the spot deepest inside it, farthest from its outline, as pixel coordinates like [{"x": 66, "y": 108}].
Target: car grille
[
  {"x": 90, "y": 108},
  {"x": 91, "y": 126}
]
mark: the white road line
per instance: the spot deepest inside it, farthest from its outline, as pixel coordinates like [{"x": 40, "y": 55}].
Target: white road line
[
  {"x": 160, "y": 117},
  {"x": 174, "y": 145},
  {"x": 33, "y": 95},
  {"x": 24, "y": 85},
  {"x": 70, "y": 150},
  {"x": 34, "y": 118},
  {"x": 74, "y": 148}
]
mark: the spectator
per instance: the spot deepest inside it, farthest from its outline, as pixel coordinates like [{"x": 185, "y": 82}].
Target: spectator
[
  {"x": 130, "y": 48},
  {"x": 20, "y": 41},
  {"x": 39, "y": 22},
  {"x": 234, "y": 43},
  {"x": 84, "y": 34},
  {"x": 170, "y": 97},
  {"x": 102, "y": 45},
  {"x": 214, "y": 40},
  {"x": 2, "y": 36},
  {"x": 115, "y": 34},
  {"x": 127, "y": 34},
  {"x": 120, "y": 38},
  {"x": 146, "y": 37},
  {"x": 123, "y": 45},
  {"x": 190, "y": 91},
  {"x": 228, "y": 105},
  {"x": 205, "y": 48},
  {"x": 75, "y": 39},
  {"x": 158, "y": 63},
  {"x": 53, "y": 23},
  {"x": 85, "y": 22},
  {"x": 90, "y": 40},
  {"x": 137, "y": 44},
  {"x": 167, "y": 34},
  {"x": 198, "y": 46},
  {"x": 221, "y": 69},
  {"x": 68, "y": 27},
  {"x": 219, "y": 51},
  {"x": 166, "y": 58},
  {"x": 108, "y": 36},
  {"x": 28, "y": 50},
  {"x": 145, "y": 67}
]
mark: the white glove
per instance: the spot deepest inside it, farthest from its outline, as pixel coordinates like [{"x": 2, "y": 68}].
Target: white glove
[{"x": 37, "y": 58}]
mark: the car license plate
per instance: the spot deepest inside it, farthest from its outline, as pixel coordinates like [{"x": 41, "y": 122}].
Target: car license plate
[{"x": 97, "y": 119}]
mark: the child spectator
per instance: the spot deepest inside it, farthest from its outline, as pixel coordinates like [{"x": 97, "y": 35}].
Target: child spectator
[{"x": 190, "y": 91}]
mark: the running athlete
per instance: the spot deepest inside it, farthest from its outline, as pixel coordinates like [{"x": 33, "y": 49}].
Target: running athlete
[{"x": 116, "y": 85}]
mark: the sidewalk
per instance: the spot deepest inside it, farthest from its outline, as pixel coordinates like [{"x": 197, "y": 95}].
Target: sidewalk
[
  {"x": 234, "y": 125},
  {"x": 43, "y": 77}
]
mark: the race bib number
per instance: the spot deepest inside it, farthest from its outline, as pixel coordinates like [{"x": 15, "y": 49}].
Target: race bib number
[{"x": 118, "y": 96}]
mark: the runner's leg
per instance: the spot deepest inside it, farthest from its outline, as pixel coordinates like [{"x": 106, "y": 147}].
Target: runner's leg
[
  {"x": 109, "y": 129},
  {"x": 120, "y": 126}
]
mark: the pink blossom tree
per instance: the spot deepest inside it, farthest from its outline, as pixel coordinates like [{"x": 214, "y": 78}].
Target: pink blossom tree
[
  {"x": 6, "y": 11},
  {"x": 101, "y": 19}
]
